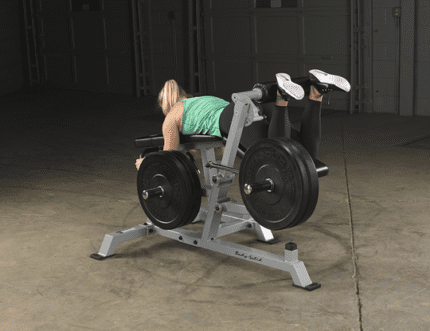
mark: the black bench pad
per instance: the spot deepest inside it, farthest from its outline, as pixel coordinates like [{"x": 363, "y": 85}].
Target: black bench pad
[{"x": 157, "y": 140}]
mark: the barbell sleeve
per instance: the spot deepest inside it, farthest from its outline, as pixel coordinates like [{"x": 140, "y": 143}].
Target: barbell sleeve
[
  {"x": 267, "y": 185},
  {"x": 153, "y": 192}
]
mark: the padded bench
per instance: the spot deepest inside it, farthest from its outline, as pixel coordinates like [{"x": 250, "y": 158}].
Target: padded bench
[{"x": 157, "y": 140}]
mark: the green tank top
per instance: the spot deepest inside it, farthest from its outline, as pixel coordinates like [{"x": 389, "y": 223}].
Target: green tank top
[{"x": 201, "y": 115}]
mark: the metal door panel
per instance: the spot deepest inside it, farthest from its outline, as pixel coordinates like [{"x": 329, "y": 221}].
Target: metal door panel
[
  {"x": 161, "y": 5},
  {"x": 55, "y": 31},
  {"x": 11, "y": 74},
  {"x": 161, "y": 33},
  {"x": 54, "y": 42},
  {"x": 423, "y": 106},
  {"x": 120, "y": 71},
  {"x": 10, "y": 51},
  {"x": 58, "y": 70},
  {"x": 75, "y": 53},
  {"x": 384, "y": 72},
  {"x": 266, "y": 70},
  {"x": 384, "y": 52},
  {"x": 117, "y": 39},
  {"x": 277, "y": 35},
  {"x": 11, "y": 78},
  {"x": 120, "y": 74},
  {"x": 88, "y": 32},
  {"x": 384, "y": 104},
  {"x": 53, "y": 7},
  {"x": 422, "y": 79},
  {"x": 325, "y": 3},
  {"x": 383, "y": 91},
  {"x": 324, "y": 35},
  {"x": 231, "y": 35},
  {"x": 116, "y": 8},
  {"x": 8, "y": 11},
  {"x": 91, "y": 72},
  {"x": 422, "y": 62},
  {"x": 230, "y": 76},
  {"x": 8, "y": 23},
  {"x": 421, "y": 85},
  {"x": 384, "y": 69},
  {"x": 384, "y": 33},
  {"x": 327, "y": 34},
  {"x": 267, "y": 41},
  {"x": 423, "y": 32},
  {"x": 164, "y": 60},
  {"x": 226, "y": 4}
]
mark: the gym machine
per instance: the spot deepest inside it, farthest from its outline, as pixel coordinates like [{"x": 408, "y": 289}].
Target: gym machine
[{"x": 278, "y": 182}]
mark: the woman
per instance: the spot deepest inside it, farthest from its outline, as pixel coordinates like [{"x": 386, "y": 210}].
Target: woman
[{"x": 213, "y": 116}]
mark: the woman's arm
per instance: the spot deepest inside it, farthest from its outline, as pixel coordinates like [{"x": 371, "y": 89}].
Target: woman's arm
[{"x": 170, "y": 133}]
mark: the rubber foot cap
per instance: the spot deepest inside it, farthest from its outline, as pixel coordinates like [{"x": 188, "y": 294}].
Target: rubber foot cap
[
  {"x": 100, "y": 257},
  {"x": 270, "y": 242},
  {"x": 310, "y": 287}
]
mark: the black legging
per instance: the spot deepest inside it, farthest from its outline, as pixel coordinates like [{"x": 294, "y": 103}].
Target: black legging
[{"x": 310, "y": 132}]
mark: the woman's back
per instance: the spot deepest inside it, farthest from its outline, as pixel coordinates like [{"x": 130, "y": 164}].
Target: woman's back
[{"x": 201, "y": 115}]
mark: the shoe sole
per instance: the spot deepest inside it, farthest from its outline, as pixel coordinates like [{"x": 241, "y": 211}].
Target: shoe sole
[
  {"x": 337, "y": 82},
  {"x": 293, "y": 89}
]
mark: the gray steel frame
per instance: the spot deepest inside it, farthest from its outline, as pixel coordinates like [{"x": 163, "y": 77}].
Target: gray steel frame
[{"x": 221, "y": 209}]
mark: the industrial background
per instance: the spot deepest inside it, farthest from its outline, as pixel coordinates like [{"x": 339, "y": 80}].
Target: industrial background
[
  {"x": 78, "y": 83},
  {"x": 133, "y": 47}
]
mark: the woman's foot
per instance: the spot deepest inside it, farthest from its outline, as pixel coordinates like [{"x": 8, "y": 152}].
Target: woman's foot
[
  {"x": 289, "y": 88},
  {"x": 328, "y": 82}
]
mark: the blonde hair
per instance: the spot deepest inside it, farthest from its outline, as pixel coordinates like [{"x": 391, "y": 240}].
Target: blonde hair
[{"x": 170, "y": 94}]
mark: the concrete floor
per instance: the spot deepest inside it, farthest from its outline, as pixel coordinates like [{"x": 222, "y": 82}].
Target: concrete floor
[{"x": 68, "y": 177}]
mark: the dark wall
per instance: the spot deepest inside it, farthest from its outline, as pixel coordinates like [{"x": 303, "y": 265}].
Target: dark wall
[{"x": 11, "y": 59}]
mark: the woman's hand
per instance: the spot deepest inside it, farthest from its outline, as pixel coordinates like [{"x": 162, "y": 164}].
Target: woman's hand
[{"x": 138, "y": 163}]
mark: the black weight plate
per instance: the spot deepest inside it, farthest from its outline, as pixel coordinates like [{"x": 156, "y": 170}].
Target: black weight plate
[
  {"x": 196, "y": 188},
  {"x": 173, "y": 155},
  {"x": 311, "y": 180},
  {"x": 264, "y": 153},
  {"x": 292, "y": 148},
  {"x": 158, "y": 169},
  {"x": 197, "y": 198},
  {"x": 274, "y": 157}
]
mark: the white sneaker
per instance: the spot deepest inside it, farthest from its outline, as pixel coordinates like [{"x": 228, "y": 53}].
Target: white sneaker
[
  {"x": 288, "y": 87},
  {"x": 331, "y": 82}
]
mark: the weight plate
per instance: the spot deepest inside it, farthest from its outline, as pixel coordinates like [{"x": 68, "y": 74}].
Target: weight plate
[
  {"x": 189, "y": 202},
  {"x": 195, "y": 198},
  {"x": 294, "y": 188},
  {"x": 311, "y": 180},
  {"x": 158, "y": 169}
]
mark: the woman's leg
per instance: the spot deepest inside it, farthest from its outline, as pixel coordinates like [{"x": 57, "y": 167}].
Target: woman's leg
[
  {"x": 262, "y": 129},
  {"x": 250, "y": 134},
  {"x": 256, "y": 131},
  {"x": 310, "y": 132}
]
